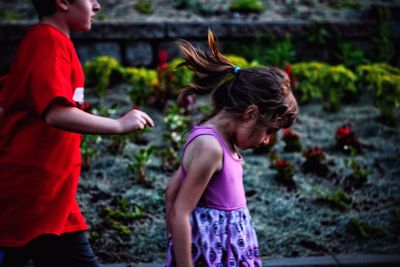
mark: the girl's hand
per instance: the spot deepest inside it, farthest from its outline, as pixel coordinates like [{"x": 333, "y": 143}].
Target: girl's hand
[{"x": 134, "y": 120}]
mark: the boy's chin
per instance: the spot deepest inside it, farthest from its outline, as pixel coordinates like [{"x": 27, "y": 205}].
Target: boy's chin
[{"x": 82, "y": 28}]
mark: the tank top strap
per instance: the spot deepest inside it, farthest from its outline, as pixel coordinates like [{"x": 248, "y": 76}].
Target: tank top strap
[
  {"x": 204, "y": 130},
  {"x": 197, "y": 131}
]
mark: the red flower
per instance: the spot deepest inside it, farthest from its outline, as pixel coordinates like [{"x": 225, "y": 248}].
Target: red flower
[
  {"x": 162, "y": 67},
  {"x": 170, "y": 77},
  {"x": 162, "y": 61},
  {"x": 162, "y": 56},
  {"x": 346, "y": 138},
  {"x": 317, "y": 150},
  {"x": 287, "y": 132},
  {"x": 315, "y": 153},
  {"x": 342, "y": 132},
  {"x": 281, "y": 163},
  {"x": 290, "y": 134},
  {"x": 288, "y": 70}
]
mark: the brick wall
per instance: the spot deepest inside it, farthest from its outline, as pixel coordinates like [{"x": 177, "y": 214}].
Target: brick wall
[{"x": 136, "y": 44}]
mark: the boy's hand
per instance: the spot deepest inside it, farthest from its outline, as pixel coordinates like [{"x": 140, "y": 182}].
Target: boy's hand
[{"x": 133, "y": 120}]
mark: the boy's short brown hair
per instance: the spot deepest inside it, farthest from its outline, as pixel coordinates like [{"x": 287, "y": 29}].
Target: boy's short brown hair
[{"x": 45, "y": 7}]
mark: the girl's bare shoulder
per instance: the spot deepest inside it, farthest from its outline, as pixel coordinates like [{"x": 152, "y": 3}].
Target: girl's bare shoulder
[{"x": 204, "y": 148}]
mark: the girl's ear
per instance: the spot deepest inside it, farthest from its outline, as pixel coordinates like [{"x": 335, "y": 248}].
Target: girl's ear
[
  {"x": 62, "y": 5},
  {"x": 250, "y": 113}
]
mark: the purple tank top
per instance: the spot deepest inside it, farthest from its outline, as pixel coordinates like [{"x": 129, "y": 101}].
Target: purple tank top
[{"x": 225, "y": 190}]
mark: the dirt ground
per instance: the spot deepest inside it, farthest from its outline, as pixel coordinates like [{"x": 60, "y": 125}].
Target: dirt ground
[{"x": 288, "y": 222}]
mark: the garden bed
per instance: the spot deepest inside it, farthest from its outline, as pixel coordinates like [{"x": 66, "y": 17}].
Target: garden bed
[
  {"x": 289, "y": 222},
  {"x": 323, "y": 212}
]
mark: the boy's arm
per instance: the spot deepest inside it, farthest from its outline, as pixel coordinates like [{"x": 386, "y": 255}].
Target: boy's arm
[{"x": 73, "y": 119}]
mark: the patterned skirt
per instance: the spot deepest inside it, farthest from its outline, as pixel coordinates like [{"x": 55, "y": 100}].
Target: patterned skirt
[{"x": 221, "y": 239}]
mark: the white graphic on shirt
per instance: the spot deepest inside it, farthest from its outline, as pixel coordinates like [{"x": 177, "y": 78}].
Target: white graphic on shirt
[{"x": 79, "y": 95}]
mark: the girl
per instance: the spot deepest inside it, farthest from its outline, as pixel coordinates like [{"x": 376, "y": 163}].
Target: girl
[{"x": 207, "y": 217}]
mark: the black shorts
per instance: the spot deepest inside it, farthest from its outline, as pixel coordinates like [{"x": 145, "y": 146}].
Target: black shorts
[{"x": 67, "y": 250}]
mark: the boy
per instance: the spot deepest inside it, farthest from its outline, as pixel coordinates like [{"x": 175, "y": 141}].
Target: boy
[{"x": 39, "y": 141}]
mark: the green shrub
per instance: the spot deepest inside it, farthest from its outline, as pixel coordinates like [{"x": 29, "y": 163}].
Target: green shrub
[
  {"x": 178, "y": 124},
  {"x": 359, "y": 174},
  {"x": 140, "y": 161},
  {"x": 142, "y": 81},
  {"x": 170, "y": 159},
  {"x": 98, "y": 72},
  {"x": 8, "y": 15},
  {"x": 281, "y": 53},
  {"x": 284, "y": 172},
  {"x": 238, "y": 61},
  {"x": 253, "y": 51},
  {"x": 181, "y": 77},
  {"x": 117, "y": 218},
  {"x": 317, "y": 34},
  {"x": 310, "y": 77},
  {"x": 247, "y": 6},
  {"x": 350, "y": 55},
  {"x": 340, "y": 199},
  {"x": 101, "y": 16},
  {"x": 383, "y": 81},
  {"x": 318, "y": 80},
  {"x": 364, "y": 230},
  {"x": 352, "y": 4},
  {"x": 340, "y": 84},
  {"x": 89, "y": 149},
  {"x": 384, "y": 42},
  {"x": 144, "y": 7}
]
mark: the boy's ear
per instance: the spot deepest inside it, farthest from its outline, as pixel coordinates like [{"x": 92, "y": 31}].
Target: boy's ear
[
  {"x": 62, "y": 5},
  {"x": 250, "y": 113}
]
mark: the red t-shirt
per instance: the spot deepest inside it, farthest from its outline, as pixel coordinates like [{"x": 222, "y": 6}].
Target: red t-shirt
[{"x": 39, "y": 164}]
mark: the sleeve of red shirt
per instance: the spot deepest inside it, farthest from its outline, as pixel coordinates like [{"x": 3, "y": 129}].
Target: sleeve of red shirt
[{"x": 51, "y": 79}]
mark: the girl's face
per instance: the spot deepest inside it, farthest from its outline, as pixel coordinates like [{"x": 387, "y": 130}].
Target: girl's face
[
  {"x": 81, "y": 14},
  {"x": 252, "y": 133}
]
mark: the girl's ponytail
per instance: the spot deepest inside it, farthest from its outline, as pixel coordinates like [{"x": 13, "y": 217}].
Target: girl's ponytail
[{"x": 209, "y": 70}]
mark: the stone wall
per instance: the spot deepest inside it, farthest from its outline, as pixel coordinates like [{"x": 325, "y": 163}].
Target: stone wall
[{"x": 136, "y": 44}]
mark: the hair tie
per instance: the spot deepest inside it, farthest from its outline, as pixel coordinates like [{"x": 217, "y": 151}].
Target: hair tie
[{"x": 236, "y": 70}]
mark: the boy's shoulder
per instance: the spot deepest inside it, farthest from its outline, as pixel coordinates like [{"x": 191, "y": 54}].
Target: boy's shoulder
[
  {"x": 46, "y": 32},
  {"x": 44, "y": 40}
]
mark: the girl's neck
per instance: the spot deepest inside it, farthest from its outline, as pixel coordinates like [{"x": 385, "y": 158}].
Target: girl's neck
[{"x": 224, "y": 124}]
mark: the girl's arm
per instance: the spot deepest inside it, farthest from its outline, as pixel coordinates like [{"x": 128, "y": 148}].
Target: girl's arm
[
  {"x": 171, "y": 191},
  {"x": 202, "y": 158},
  {"x": 73, "y": 119}
]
